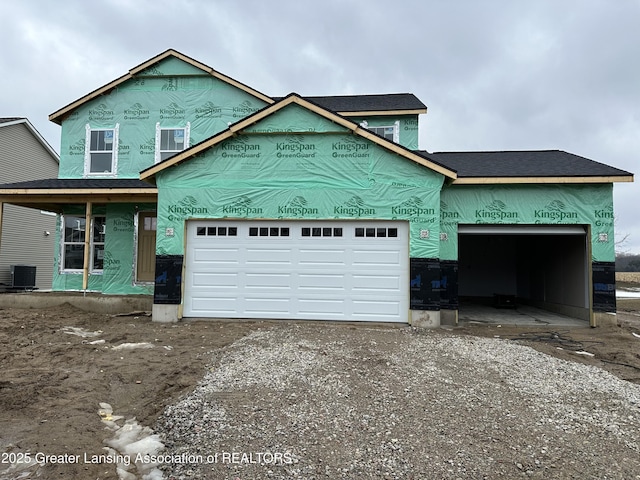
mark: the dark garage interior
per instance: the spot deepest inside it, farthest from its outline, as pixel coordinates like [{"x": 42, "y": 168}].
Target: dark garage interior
[{"x": 507, "y": 266}]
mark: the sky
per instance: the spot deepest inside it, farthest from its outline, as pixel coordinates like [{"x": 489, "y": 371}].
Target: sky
[{"x": 495, "y": 74}]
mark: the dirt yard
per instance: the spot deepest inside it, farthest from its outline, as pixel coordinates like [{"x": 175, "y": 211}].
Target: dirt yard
[{"x": 59, "y": 364}]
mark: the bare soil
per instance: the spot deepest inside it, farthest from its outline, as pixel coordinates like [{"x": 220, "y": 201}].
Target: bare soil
[{"x": 52, "y": 381}]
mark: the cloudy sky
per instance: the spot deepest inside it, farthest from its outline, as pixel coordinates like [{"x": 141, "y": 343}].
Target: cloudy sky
[{"x": 495, "y": 74}]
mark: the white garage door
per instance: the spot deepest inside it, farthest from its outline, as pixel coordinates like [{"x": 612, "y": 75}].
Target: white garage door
[{"x": 297, "y": 270}]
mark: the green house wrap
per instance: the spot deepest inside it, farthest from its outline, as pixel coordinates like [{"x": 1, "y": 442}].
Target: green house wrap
[{"x": 174, "y": 159}]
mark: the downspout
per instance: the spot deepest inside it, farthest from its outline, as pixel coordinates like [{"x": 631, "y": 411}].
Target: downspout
[{"x": 87, "y": 247}]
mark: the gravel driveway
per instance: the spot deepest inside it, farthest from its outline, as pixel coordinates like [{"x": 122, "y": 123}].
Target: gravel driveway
[{"x": 319, "y": 401}]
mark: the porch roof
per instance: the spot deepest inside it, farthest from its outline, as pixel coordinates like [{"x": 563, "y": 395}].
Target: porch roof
[{"x": 52, "y": 194}]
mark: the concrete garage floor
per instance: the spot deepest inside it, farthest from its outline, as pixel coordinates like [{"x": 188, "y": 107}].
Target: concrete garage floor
[{"x": 522, "y": 315}]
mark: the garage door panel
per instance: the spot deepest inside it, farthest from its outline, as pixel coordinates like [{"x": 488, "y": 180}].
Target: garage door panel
[
  {"x": 379, "y": 308},
  {"x": 377, "y": 283},
  {"x": 267, "y": 306},
  {"x": 325, "y": 270},
  {"x": 218, "y": 280},
  {"x": 375, "y": 257},
  {"x": 316, "y": 307},
  {"x": 274, "y": 281},
  {"x": 223, "y": 306},
  {"x": 261, "y": 256},
  {"x": 321, "y": 281},
  {"x": 322, "y": 257},
  {"x": 217, "y": 255}
]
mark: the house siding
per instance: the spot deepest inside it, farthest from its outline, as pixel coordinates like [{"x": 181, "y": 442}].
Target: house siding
[
  {"x": 24, "y": 241},
  {"x": 23, "y": 157}
]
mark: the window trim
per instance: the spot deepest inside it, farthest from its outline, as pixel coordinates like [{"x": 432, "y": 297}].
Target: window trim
[
  {"x": 114, "y": 151},
  {"x": 158, "y": 152},
  {"x": 395, "y": 125},
  {"x": 92, "y": 244}
]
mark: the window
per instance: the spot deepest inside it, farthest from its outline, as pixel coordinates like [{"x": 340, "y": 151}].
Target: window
[
  {"x": 217, "y": 231},
  {"x": 101, "y": 151},
  {"x": 269, "y": 231},
  {"x": 73, "y": 243},
  {"x": 321, "y": 232},
  {"x": 170, "y": 141},
  {"x": 390, "y": 132},
  {"x": 150, "y": 223},
  {"x": 376, "y": 232}
]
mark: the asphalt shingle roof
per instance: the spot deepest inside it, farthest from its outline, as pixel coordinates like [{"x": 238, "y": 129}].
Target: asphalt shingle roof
[
  {"x": 525, "y": 163},
  {"x": 73, "y": 183},
  {"x": 365, "y": 103},
  {"x": 539, "y": 163}
]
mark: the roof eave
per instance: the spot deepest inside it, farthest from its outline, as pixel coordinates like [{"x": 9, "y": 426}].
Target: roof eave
[
  {"x": 542, "y": 180},
  {"x": 380, "y": 113}
]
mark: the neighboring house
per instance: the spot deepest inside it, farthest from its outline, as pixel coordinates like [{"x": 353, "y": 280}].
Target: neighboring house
[
  {"x": 178, "y": 181},
  {"x": 27, "y": 234}
]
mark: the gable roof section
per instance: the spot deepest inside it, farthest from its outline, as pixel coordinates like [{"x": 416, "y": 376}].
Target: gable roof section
[
  {"x": 528, "y": 166},
  {"x": 358, "y": 105},
  {"x": 6, "y": 122},
  {"x": 59, "y": 115},
  {"x": 294, "y": 98}
]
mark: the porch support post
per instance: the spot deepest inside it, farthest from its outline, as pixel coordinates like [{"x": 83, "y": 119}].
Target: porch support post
[{"x": 87, "y": 246}]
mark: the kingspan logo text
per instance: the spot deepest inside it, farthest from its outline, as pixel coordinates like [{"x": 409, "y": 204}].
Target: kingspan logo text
[
  {"x": 135, "y": 110},
  {"x": 77, "y": 148},
  {"x": 354, "y": 207},
  {"x": 148, "y": 148},
  {"x": 555, "y": 215},
  {"x": 245, "y": 108},
  {"x": 495, "y": 214},
  {"x": 123, "y": 224},
  {"x": 354, "y": 211},
  {"x": 350, "y": 146},
  {"x": 186, "y": 210},
  {"x": 297, "y": 211},
  {"x": 209, "y": 109},
  {"x": 172, "y": 111},
  {"x": 412, "y": 211},
  {"x": 243, "y": 210},
  {"x": 444, "y": 215},
  {"x": 495, "y": 211},
  {"x": 603, "y": 214},
  {"x": 240, "y": 147},
  {"x": 101, "y": 111},
  {"x": 294, "y": 147}
]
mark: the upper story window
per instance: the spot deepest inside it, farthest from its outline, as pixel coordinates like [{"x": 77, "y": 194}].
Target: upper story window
[
  {"x": 390, "y": 132},
  {"x": 170, "y": 141},
  {"x": 101, "y": 151}
]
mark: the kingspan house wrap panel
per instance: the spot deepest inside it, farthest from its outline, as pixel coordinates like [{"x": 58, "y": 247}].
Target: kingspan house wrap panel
[{"x": 530, "y": 205}]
